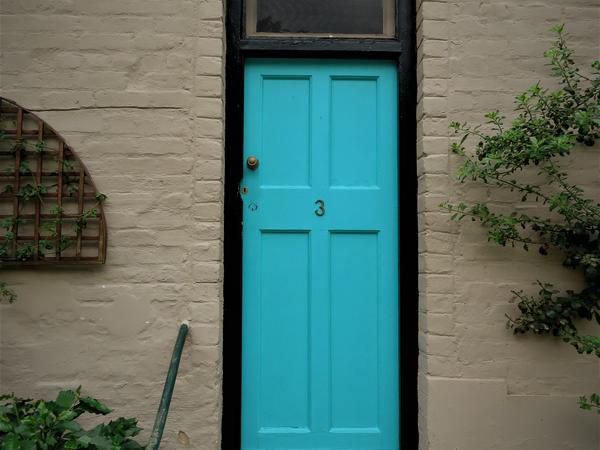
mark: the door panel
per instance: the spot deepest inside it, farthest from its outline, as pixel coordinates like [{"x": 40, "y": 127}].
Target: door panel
[
  {"x": 285, "y": 141},
  {"x": 283, "y": 353},
  {"x": 320, "y": 256},
  {"x": 353, "y": 294},
  {"x": 353, "y": 113}
]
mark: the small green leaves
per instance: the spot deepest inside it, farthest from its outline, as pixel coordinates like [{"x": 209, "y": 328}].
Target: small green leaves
[
  {"x": 72, "y": 188},
  {"x": 30, "y": 191},
  {"x": 57, "y": 211},
  {"x": 36, "y": 171},
  {"x": 40, "y": 147},
  {"x": 525, "y": 159},
  {"x": 593, "y": 403},
  {"x": 25, "y": 251},
  {"x": 37, "y": 424},
  {"x": 455, "y": 126},
  {"x": 68, "y": 164},
  {"x": 7, "y": 223},
  {"x": 92, "y": 405},
  {"x": 10, "y": 442},
  {"x": 50, "y": 240},
  {"x": 66, "y": 399},
  {"x": 64, "y": 243},
  {"x": 82, "y": 221},
  {"x": 24, "y": 168},
  {"x": 457, "y": 149},
  {"x": 7, "y": 294},
  {"x": 18, "y": 146}
]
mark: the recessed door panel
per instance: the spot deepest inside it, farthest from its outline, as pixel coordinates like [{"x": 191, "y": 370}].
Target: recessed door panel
[
  {"x": 285, "y": 135},
  {"x": 354, "y": 294},
  {"x": 283, "y": 317},
  {"x": 320, "y": 255},
  {"x": 353, "y": 132}
]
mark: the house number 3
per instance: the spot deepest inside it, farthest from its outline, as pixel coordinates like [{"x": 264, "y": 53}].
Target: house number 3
[{"x": 320, "y": 211}]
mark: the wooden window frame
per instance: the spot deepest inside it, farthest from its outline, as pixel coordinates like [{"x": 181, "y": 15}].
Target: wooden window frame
[
  {"x": 402, "y": 49},
  {"x": 249, "y": 9}
]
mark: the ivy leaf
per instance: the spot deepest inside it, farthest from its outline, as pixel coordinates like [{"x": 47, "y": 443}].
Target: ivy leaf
[
  {"x": 72, "y": 426},
  {"x": 28, "y": 445},
  {"x": 93, "y": 406},
  {"x": 10, "y": 442},
  {"x": 84, "y": 441},
  {"x": 66, "y": 399}
]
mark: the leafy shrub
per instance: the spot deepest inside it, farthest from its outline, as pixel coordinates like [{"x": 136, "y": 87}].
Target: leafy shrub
[
  {"x": 27, "y": 424},
  {"x": 525, "y": 157}
]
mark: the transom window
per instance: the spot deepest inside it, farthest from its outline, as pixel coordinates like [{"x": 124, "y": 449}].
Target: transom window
[{"x": 325, "y": 18}]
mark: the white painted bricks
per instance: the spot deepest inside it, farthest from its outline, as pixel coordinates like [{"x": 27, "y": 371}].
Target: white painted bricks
[
  {"x": 136, "y": 86},
  {"x": 480, "y": 387}
]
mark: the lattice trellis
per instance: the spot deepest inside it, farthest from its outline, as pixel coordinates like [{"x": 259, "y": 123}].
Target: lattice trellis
[{"x": 50, "y": 210}]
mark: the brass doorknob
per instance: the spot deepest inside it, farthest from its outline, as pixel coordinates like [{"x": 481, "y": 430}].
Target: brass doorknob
[{"x": 252, "y": 162}]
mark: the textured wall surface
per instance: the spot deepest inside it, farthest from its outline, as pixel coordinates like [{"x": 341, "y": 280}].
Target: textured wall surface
[
  {"x": 480, "y": 387},
  {"x": 136, "y": 88}
]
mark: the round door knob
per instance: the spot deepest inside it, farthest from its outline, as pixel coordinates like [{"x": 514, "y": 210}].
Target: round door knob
[{"x": 252, "y": 162}]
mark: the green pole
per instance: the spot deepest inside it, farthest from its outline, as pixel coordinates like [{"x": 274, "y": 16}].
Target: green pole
[{"x": 165, "y": 400}]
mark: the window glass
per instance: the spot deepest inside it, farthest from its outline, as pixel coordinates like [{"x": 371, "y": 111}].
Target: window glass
[{"x": 320, "y": 17}]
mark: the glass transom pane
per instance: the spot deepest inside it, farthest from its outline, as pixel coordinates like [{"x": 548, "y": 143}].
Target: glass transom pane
[{"x": 320, "y": 17}]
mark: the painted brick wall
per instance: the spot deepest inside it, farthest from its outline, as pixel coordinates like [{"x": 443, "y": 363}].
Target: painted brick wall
[
  {"x": 480, "y": 387},
  {"x": 136, "y": 88}
]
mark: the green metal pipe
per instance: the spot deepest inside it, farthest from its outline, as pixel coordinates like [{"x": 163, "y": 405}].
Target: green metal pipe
[{"x": 165, "y": 400}]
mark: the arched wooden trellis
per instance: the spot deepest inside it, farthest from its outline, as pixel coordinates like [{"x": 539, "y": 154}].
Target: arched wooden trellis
[{"x": 50, "y": 210}]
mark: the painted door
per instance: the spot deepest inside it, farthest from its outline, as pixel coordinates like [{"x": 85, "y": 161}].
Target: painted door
[{"x": 320, "y": 256}]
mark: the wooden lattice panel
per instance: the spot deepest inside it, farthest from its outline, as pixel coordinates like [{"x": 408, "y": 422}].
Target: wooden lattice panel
[{"x": 50, "y": 210}]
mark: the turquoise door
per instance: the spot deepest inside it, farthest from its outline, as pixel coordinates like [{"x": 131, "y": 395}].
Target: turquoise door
[{"x": 320, "y": 256}]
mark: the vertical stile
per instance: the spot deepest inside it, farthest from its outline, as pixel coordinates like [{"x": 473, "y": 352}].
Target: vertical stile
[
  {"x": 17, "y": 186},
  {"x": 38, "y": 202},
  {"x": 81, "y": 194},
  {"x": 59, "y": 197}
]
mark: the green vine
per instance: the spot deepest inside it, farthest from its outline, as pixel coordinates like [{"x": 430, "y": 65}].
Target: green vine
[
  {"x": 525, "y": 158},
  {"x": 6, "y": 293},
  {"x": 590, "y": 404},
  {"x": 23, "y": 153}
]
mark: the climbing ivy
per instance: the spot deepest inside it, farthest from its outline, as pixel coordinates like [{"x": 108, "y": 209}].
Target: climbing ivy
[
  {"x": 38, "y": 192},
  {"x": 527, "y": 157}
]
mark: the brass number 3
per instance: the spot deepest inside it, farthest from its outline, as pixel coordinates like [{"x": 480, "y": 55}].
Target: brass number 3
[{"x": 320, "y": 211}]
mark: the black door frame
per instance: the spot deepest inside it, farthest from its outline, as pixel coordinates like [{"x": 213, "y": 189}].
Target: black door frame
[{"x": 402, "y": 49}]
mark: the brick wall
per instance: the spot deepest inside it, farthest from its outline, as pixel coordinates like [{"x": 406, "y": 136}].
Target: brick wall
[
  {"x": 136, "y": 88},
  {"x": 480, "y": 387}
]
